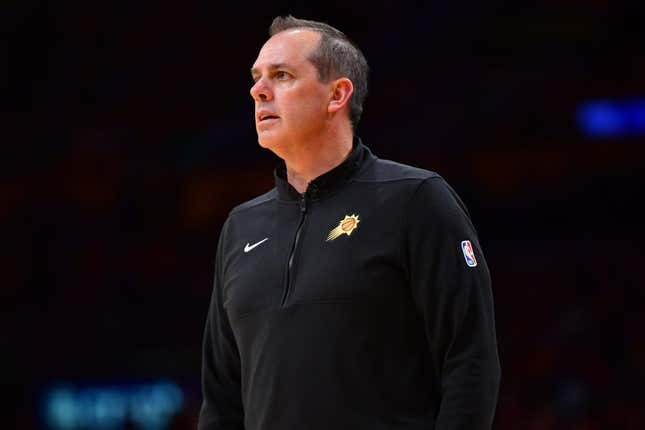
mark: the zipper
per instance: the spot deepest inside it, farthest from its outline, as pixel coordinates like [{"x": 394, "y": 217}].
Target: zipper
[{"x": 294, "y": 247}]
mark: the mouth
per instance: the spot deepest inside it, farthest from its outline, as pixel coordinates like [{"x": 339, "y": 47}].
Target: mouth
[
  {"x": 267, "y": 117},
  {"x": 263, "y": 115}
]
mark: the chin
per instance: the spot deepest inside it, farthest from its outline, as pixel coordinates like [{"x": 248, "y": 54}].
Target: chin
[
  {"x": 266, "y": 142},
  {"x": 273, "y": 144},
  {"x": 269, "y": 138}
]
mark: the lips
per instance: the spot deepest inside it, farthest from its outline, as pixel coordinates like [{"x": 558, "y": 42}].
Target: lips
[{"x": 265, "y": 115}]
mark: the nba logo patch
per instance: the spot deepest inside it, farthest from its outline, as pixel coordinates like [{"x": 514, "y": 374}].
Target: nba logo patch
[{"x": 469, "y": 254}]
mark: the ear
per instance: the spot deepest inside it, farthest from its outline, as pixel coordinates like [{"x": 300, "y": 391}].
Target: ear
[{"x": 341, "y": 91}]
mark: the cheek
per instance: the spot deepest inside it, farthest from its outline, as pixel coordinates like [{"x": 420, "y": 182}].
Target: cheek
[
  {"x": 311, "y": 107},
  {"x": 306, "y": 101}
]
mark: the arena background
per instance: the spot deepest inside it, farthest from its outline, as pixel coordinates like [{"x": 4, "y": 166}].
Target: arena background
[{"x": 129, "y": 135}]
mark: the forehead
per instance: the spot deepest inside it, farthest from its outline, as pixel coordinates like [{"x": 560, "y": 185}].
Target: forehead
[{"x": 291, "y": 47}]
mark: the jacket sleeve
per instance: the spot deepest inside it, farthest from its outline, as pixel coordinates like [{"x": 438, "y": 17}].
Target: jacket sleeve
[
  {"x": 221, "y": 390},
  {"x": 456, "y": 304}
]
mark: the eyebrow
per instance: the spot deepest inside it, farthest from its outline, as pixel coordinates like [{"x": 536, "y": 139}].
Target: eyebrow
[{"x": 273, "y": 66}]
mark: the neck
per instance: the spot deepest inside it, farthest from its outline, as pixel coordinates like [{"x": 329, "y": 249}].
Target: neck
[{"x": 314, "y": 158}]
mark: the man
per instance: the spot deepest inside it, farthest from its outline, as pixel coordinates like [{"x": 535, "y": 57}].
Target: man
[{"x": 354, "y": 294}]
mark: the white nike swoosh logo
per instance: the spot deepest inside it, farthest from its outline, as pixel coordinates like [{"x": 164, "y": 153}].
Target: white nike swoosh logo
[{"x": 248, "y": 247}]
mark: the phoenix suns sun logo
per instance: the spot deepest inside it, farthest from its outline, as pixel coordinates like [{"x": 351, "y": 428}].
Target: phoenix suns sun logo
[{"x": 346, "y": 226}]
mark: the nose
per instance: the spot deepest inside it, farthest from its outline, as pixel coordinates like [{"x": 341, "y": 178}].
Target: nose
[{"x": 261, "y": 91}]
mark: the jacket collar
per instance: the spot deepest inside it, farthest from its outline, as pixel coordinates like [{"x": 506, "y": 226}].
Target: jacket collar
[{"x": 328, "y": 182}]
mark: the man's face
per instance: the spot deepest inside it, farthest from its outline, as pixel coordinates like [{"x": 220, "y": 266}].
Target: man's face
[{"x": 290, "y": 101}]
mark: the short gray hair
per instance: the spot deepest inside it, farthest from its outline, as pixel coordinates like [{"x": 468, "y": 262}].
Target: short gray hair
[{"x": 335, "y": 57}]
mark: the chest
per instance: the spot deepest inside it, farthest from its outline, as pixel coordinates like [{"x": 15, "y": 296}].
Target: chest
[{"x": 337, "y": 250}]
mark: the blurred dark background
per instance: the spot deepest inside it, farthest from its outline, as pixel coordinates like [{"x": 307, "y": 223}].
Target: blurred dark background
[{"x": 129, "y": 135}]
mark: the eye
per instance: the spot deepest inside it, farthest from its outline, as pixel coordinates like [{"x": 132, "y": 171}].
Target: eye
[{"x": 281, "y": 75}]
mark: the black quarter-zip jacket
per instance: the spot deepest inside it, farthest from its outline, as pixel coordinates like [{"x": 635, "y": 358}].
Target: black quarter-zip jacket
[{"x": 364, "y": 304}]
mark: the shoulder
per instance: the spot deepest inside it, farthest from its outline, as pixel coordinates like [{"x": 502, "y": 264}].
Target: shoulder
[
  {"x": 255, "y": 203},
  {"x": 428, "y": 191},
  {"x": 422, "y": 185},
  {"x": 434, "y": 199},
  {"x": 390, "y": 171},
  {"x": 241, "y": 214}
]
